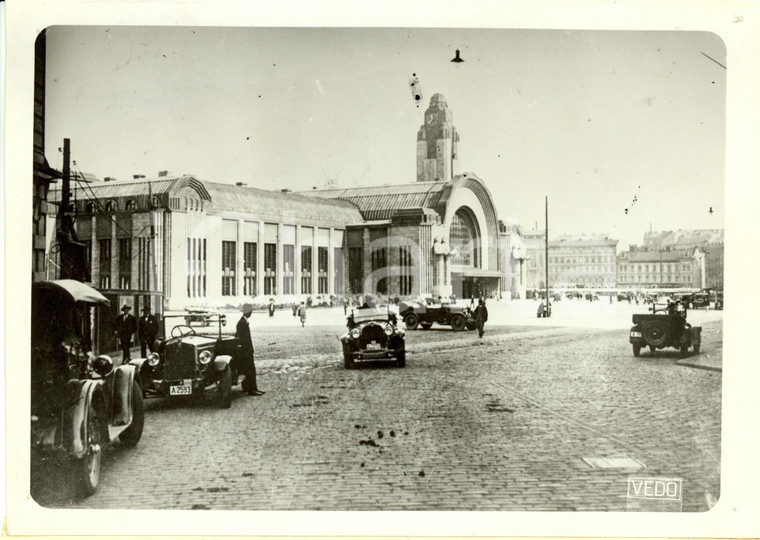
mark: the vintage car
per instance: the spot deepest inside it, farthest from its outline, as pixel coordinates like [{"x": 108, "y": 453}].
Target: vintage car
[
  {"x": 426, "y": 313},
  {"x": 198, "y": 315},
  {"x": 80, "y": 402},
  {"x": 699, "y": 300},
  {"x": 189, "y": 364},
  {"x": 373, "y": 334},
  {"x": 665, "y": 327}
]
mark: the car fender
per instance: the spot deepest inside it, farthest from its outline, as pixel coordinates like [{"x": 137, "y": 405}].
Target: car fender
[
  {"x": 222, "y": 361},
  {"x": 79, "y": 395},
  {"x": 123, "y": 381}
]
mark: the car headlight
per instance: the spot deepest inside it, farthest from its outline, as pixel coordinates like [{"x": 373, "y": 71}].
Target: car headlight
[
  {"x": 153, "y": 359},
  {"x": 388, "y": 329},
  {"x": 355, "y": 333},
  {"x": 205, "y": 357}
]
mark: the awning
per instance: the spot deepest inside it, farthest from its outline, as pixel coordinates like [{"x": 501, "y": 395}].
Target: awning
[
  {"x": 78, "y": 291},
  {"x": 476, "y": 272}
]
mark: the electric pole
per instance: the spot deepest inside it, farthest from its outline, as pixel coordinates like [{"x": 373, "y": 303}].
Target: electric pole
[
  {"x": 546, "y": 242},
  {"x": 71, "y": 251}
]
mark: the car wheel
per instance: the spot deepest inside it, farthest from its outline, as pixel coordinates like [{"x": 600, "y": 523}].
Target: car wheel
[
  {"x": 88, "y": 467},
  {"x": 458, "y": 323},
  {"x": 411, "y": 321},
  {"x": 684, "y": 351},
  {"x": 225, "y": 388},
  {"x": 401, "y": 359},
  {"x": 696, "y": 348},
  {"x": 655, "y": 333},
  {"x": 426, "y": 325},
  {"x": 471, "y": 325},
  {"x": 636, "y": 350},
  {"x": 131, "y": 435},
  {"x": 348, "y": 361}
]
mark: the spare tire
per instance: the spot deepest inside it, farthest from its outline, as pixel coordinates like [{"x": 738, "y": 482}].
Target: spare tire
[{"x": 655, "y": 333}]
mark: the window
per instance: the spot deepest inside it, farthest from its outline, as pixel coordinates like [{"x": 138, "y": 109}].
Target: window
[
  {"x": 155, "y": 201},
  {"x": 104, "y": 260},
  {"x": 125, "y": 263},
  {"x": 250, "y": 255},
  {"x": 322, "y": 265},
  {"x": 289, "y": 263},
  {"x": 356, "y": 269},
  {"x": 270, "y": 268},
  {"x": 228, "y": 268},
  {"x": 130, "y": 205},
  {"x": 89, "y": 208},
  {"x": 378, "y": 261},
  {"x": 338, "y": 270},
  {"x": 110, "y": 206},
  {"x": 143, "y": 263},
  {"x": 306, "y": 269}
]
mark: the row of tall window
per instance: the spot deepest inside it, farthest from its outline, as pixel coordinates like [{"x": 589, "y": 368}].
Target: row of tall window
[
  {"x": 583, "y": 259},
  {"x": 130, "y": 205},
  {"x": 666, "y": 267},
  {"x": 379, "y": 261}
]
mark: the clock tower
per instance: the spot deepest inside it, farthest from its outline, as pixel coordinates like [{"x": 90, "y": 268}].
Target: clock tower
[{"x": 437, "y": 143}]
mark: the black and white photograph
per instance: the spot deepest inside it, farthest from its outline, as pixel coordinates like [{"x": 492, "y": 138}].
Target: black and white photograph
[{"x": 451, "y": 269}]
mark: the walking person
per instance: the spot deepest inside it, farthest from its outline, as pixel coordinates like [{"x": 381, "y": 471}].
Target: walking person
[
  {"x": 481, "y": 316},
  {"x": 302, "y": 313},
  {"x": 245, "y": 356},
  {"x": 270, "y": 307},
  {"x": 124, "y": 326},
  {"x": 147, "y": 331}
]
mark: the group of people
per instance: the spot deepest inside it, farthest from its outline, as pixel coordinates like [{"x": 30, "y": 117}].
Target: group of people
[{"x": 126, "y": 325}]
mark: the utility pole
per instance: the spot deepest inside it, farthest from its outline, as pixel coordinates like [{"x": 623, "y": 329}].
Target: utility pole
[
  {"x": 546, "y": 242},
  {"x": 72, "y": 253}
]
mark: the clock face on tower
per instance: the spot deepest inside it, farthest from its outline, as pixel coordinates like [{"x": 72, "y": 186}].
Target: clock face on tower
[{"x": 431, "y": 119}]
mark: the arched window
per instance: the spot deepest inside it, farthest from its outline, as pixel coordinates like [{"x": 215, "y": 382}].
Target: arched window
[
  {"x": 465, "y": 237},
  {"x": 130, "y": 205},
  {"x": 156, "y": 201},
  {"x": 89, "y": 207},
  {"x": 110, "y": 206}
]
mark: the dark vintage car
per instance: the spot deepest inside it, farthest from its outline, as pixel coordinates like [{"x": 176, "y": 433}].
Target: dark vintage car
[
  {"x": 699, "y": 300},
  {"x": 427, "y": 313},
  {"x": 373, "y": 334},
  {"x": 665, "y": 327},
  {"x": 188, "y": 364},
  {"x": 80, "y": 402}
]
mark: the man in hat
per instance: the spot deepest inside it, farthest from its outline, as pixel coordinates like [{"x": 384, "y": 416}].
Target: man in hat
[
  {"x": 124, "y": 326},
  {"x": 244, "y": 360},
  {"x": 147, "y": 331}
]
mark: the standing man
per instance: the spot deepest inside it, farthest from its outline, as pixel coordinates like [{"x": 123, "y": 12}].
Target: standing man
[
  {"x": 124, "y": 326},
  {"x": 147, "y": 331},
  {"x": 481, "y": 316},
  {"x": 270, "y": 307},
  {"x": 302, "y": 313},
  {"x": 245, "y": 358}
]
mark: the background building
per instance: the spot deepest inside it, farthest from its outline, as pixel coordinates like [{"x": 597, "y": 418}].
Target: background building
[
  {"x": 643, "y": 268},
  {"x": 585, "y": 261},
  {"x": 708, "y": 240},
  {"x": 534, "y": 241}
]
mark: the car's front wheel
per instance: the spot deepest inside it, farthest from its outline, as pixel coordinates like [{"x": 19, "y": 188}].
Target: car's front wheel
[
  {"x": 225, "y": 388},
  {"x": 401, "y": 359},
  {"x": 131, "y": 435},
  {"x": 458, "y": 323},
  {"x": 348, "y": 359},
  {"x": 684, "y": 351},
  {"x": 88, "y": 467},
  {"x": 411, "y": 321},
  {"x": 636, "y": 350}
]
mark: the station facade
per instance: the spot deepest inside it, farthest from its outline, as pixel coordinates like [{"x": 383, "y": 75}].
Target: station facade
[{"x": 202, "y": 243}]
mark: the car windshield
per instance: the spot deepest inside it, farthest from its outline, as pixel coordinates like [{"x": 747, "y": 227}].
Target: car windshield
[{"x": 370, "y": 314}]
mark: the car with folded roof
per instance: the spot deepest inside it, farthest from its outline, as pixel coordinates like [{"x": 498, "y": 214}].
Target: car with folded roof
[
  {"x": 373, "y": 335},
  {"x": 425, "y": 313},
  {"x": 665, "y": 327}
]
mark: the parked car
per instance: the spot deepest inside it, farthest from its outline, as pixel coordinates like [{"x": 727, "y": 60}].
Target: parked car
[
  {"x": 202, "y": 316},
  {"x": 426, "y": 314},
  {"x": 80, "y": 402},
  {"x": 188, "y": 364},
  {"x": 665, "y": 327},
  {"x": 719, "y": 300},
  {"x": 373, "y": 334},
  {"x": 699, "y": 300}
]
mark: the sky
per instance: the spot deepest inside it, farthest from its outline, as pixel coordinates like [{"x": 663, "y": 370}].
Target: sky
[{"x": 599, "y": 122}]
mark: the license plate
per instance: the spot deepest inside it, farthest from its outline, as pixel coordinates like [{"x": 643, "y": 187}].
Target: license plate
[
  {"x": 373, "y": 346},
  {"x": 181, "y": 390},
  {"x": 635, "y": 334}
]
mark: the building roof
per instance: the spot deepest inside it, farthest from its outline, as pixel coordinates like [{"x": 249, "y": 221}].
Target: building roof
[
  {"x": 646, "y": 255},
  {"x": 583, "y": 241},
  {"x": 262, "y": 203},
  {"x": 382, "y": 202}
]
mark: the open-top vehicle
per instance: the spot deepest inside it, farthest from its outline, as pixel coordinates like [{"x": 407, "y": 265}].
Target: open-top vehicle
[
  {"x": 80, "y": 402},
  {"x": 665, "y": 327},
  {"x": 373, "y": 334},
  {"x": 189, "y": 364},
  {"x": 427, "y": 313}
]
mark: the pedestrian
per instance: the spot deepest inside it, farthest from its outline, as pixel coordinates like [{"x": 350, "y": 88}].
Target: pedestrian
[
  {"x": 244, "y": 358},
  {"x": 345, "y": 306},
  {"x": 295, "y": 309},
  {"x": 481, "y": 316},
  {"x": 124, "y": 326},
  {"x": 302, "y": 313},
  {"x": 147, "y": 331},
  {"x": 270, "y": 307}
]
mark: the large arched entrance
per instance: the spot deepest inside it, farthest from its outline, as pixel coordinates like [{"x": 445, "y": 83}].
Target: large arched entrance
[{"x": 466, "y": 253}]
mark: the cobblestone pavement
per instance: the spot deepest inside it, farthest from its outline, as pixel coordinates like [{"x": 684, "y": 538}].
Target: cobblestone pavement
[{"x": 502, "y": 423}]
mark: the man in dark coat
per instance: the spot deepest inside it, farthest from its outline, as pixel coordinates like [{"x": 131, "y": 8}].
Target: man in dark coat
[
  {"x": 147, "y": 330},
  {"x": 481, "y": 316},
  {"x": 244, "y": 358},
  {"x": 124, "y": 326}
]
